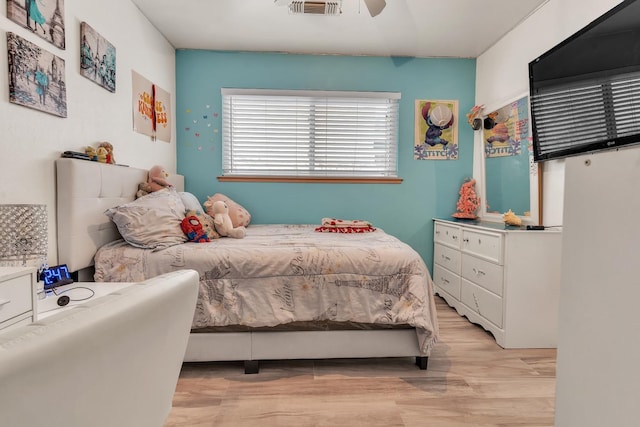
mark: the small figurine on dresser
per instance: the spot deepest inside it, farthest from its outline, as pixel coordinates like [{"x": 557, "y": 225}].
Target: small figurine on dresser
[
  {"x": 468, "y": 202},
  {"x": 511, "y": 218}
]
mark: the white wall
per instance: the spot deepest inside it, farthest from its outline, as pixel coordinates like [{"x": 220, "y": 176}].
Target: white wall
[
  {"x": 31, "y": 140},
  {"x": 598, "y": 379},
  {"x": 502, "y": 72}
]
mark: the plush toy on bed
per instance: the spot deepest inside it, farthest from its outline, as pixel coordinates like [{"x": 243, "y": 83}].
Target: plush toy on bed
[
  {"x": 223, "y": 223},
  {"x": 198, "y": 227},
  {"x": 157, "y": 181},
  {"x": 193, "y": 229}
]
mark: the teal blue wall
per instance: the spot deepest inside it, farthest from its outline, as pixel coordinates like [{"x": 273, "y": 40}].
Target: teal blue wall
[{"x": 430, "y": 187}]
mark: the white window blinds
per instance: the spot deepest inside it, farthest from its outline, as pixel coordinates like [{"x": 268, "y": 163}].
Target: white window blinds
[
  {"x": 583, "y": 116},
  {"x": 309, "y": 133}
]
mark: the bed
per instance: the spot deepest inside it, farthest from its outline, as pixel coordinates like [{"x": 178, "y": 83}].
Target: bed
[{"x": 284, "y": 291}]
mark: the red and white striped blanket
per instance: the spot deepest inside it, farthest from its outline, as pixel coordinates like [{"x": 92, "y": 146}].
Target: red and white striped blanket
[{"x": 333, "y": 225}]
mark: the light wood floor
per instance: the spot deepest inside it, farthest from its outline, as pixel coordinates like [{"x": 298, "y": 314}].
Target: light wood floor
[{"x": 470, "y": 381}]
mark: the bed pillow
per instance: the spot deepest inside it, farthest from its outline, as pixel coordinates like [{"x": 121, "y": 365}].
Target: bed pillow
[
  {"x": 152, "y": 221},
  {"x": 191, "y": 202},
  {"x": 239, "y": 215}
]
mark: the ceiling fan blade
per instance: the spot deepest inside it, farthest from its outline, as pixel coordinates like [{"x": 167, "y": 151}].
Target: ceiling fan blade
[{"x": 375, "y": 6}]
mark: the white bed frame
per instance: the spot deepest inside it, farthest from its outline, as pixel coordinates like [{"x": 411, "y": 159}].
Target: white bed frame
[{"x": 86, "y": 189}]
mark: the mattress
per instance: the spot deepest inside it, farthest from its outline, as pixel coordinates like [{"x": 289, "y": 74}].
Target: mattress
[{"x": 283, "y": 274}]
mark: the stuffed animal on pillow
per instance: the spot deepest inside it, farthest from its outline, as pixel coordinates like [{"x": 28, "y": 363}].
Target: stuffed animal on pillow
[
  {"x": 198, "y": 227},
  {"x": 157, "y": 181},
  {"x": 223, "y": 223},
  {"x": 194, "y": 230},
  {"x": 158, "y": 178}
]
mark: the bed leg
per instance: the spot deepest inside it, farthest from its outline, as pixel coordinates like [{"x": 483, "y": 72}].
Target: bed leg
[
  {"x": 421, "y": 361},
  {"x": 251, "y": 366}
]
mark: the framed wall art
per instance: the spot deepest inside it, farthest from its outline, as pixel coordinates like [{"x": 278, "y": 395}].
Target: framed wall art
[
  {"x": 436, "y": 130},
  {"x": 151, "y": 108},
  {"x": 97, "y": 58},
  {"x": 43, "y": 17},
  {"x": 36, "y": 77}
]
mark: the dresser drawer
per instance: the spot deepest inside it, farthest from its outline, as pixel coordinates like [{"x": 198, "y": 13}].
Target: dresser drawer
[
  {"x": 483, "y": 302},
  {"x": 483, "y": 273},
  {"x": 447, "y": 257},
  {"x": 447, "y": 281},
  {"x": 447, "y": 234},
  {"x": 483, "y": 244},
  {"x": 15, "y": 297}
]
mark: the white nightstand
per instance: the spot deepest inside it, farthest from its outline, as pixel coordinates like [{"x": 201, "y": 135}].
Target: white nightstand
[
  {"x": 17, "y": 296},
  {"x": 79, "y": 293}
]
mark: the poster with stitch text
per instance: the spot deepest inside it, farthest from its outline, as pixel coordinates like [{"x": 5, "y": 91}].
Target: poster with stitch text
[
  {"x": 436, "y": 130},
  {"x": 510, "y": 130}
]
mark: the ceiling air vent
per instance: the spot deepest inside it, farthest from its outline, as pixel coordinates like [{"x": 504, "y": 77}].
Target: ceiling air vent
[{"x": 316, "y": 7}]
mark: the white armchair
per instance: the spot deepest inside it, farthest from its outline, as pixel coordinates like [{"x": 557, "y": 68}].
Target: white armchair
[{"x": 113, "y": 361}]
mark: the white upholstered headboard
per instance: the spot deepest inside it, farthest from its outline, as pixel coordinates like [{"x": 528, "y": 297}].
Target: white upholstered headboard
[{"x": 85, "y": 190}]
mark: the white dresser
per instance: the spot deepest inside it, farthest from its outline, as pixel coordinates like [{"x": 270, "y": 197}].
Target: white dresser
[
  {"x": 17, "y": 296},
  {"x": 506, "y": 280}
]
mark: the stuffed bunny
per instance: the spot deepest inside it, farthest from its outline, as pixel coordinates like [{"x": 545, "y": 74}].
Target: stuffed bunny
[{"x": 223, "y": 223}]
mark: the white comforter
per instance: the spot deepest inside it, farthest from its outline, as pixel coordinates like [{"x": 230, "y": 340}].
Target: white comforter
[{"x": 287, "y": 273}]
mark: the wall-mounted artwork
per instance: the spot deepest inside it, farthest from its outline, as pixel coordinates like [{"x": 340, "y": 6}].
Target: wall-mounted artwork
[
  {"x": 151, "y": 109},
  {"x": 506, "y": 129},
  {"x": 436, "y": 130},
  {"x": 36, "y": 77},
  {"x": 43, "y": 17},
  {"x": 97, "y": 58}
]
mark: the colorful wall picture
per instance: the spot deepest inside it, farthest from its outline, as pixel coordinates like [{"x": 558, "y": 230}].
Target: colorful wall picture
[
  {"x": 506, "y": 129},
  {"x": 36, "y": 77},
  {"x": 97, "y": 58},
  {"x": 151, "y": 109},
  {"x": 42, "y": 17},
  {"x": 436, "y": 130}
]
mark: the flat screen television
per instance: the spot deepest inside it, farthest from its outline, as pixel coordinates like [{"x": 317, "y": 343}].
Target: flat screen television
[{"x": 585, "y": 92}]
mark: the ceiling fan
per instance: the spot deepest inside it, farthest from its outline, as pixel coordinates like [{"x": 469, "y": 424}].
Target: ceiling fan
[{"x": 329, "y": 7}]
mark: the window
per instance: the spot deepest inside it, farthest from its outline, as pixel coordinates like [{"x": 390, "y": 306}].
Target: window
[{"x": 309, "y": 133}]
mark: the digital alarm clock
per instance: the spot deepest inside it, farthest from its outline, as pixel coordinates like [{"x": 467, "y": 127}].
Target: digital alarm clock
[{"x": 56, "y": 276}]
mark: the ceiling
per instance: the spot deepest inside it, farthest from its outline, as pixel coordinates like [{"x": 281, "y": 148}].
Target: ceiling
[{"x": 415, "y": 28}]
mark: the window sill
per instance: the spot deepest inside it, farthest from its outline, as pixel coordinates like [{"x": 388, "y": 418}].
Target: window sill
[{"x": 310, "y": 180}]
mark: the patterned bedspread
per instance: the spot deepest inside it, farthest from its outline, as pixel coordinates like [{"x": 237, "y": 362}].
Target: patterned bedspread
[{"x": 280, "y": 274}]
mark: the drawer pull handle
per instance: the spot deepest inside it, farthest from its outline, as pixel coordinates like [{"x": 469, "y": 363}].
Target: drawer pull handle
[
  {"x": 445, "y": 280},
  {"x": 465, "y": 240},
  {"x": 4, "y": 302},
  {"x": 454, "y": 237},
  {"x": 478, "y": 272},
  {"x": 446, "y": 257}
]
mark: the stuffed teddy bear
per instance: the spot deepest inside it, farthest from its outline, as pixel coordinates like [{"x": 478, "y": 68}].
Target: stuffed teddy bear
[
  {"x": 223, "y": 223},
  {"x": 157, "y": 181},
  {"x": 107, "y": 146},
  {"x": 102, "y": 154}
]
